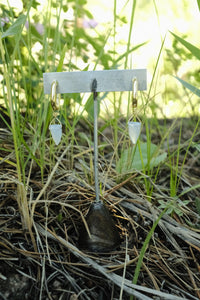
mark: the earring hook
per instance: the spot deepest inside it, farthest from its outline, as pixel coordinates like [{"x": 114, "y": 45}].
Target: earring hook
[
  {"x": 134, "y": 127},
  {"x": 54, "y": 97},
  {"x": 55, "y": 126},
  {"x": 135, "y": 93}
]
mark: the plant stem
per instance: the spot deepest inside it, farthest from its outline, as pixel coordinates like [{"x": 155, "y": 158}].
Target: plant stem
[{"x": 130, "y": 32}]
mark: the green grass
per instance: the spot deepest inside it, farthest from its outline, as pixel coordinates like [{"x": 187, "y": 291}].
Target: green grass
[
  {"x": 30, "y": 111},
  {"x": 144, "y": 248}
]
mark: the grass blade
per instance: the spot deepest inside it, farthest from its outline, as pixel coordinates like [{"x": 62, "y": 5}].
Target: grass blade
[
  {"x": 15, "y": 28},
  {"x": 194, "y": 50},
  {"x": 130, "y": 32},
  {"x": 144, "y": 248},
  {"x": 198, "y": 2},
  {"x": 189, "y": 86}
]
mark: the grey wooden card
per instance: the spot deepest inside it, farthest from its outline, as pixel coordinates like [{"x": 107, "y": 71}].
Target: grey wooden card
[{"x": 107, "y": 81}]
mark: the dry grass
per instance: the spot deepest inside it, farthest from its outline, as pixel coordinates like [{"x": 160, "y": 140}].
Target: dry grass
[{"x": 52, "y": 266}]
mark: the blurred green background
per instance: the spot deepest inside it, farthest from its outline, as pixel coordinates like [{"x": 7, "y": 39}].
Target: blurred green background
[{"x": 88, "y": 35}]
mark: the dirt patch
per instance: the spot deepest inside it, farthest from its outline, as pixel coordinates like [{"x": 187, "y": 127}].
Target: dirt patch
[{"x": 13, "y": 285}]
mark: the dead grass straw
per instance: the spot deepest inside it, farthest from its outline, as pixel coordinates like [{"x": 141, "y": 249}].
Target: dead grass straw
[{"x": 57, "y": 268}]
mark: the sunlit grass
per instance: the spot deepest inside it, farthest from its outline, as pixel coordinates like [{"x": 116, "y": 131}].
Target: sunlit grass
[{"x": 26, "y": 54}]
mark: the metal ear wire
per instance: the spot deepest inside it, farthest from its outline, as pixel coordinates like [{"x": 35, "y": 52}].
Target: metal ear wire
[
  {"x": 54, "y": 97},
  {"x": 55, "y": 126},
  {"x": 135, "y": 93},
  {"x": 134, "y": 128}
]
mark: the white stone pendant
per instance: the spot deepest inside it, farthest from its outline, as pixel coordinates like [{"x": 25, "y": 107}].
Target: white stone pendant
[
  {"x": 134, "y": 131},
  {"x": 56, "y": 132}
]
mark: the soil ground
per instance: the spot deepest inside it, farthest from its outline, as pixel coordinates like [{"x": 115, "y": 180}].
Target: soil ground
[{"x": 47, "y": 262}]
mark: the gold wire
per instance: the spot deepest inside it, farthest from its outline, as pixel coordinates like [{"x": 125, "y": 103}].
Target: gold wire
[
  {"x": 54, "y": 96},
  {"x": 135, "y": 94}
]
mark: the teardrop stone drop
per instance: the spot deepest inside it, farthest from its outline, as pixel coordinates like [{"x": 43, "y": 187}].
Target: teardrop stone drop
[
  {"x": 56, "y": 132},
  {"x": 104, "y": 234},
  {"x": 134, "y": 131}
]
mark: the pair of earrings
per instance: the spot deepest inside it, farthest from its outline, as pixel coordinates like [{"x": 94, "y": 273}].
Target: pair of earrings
[
  {"x": 55, "y": 126},
  {"x": 134, "y": 128}
]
